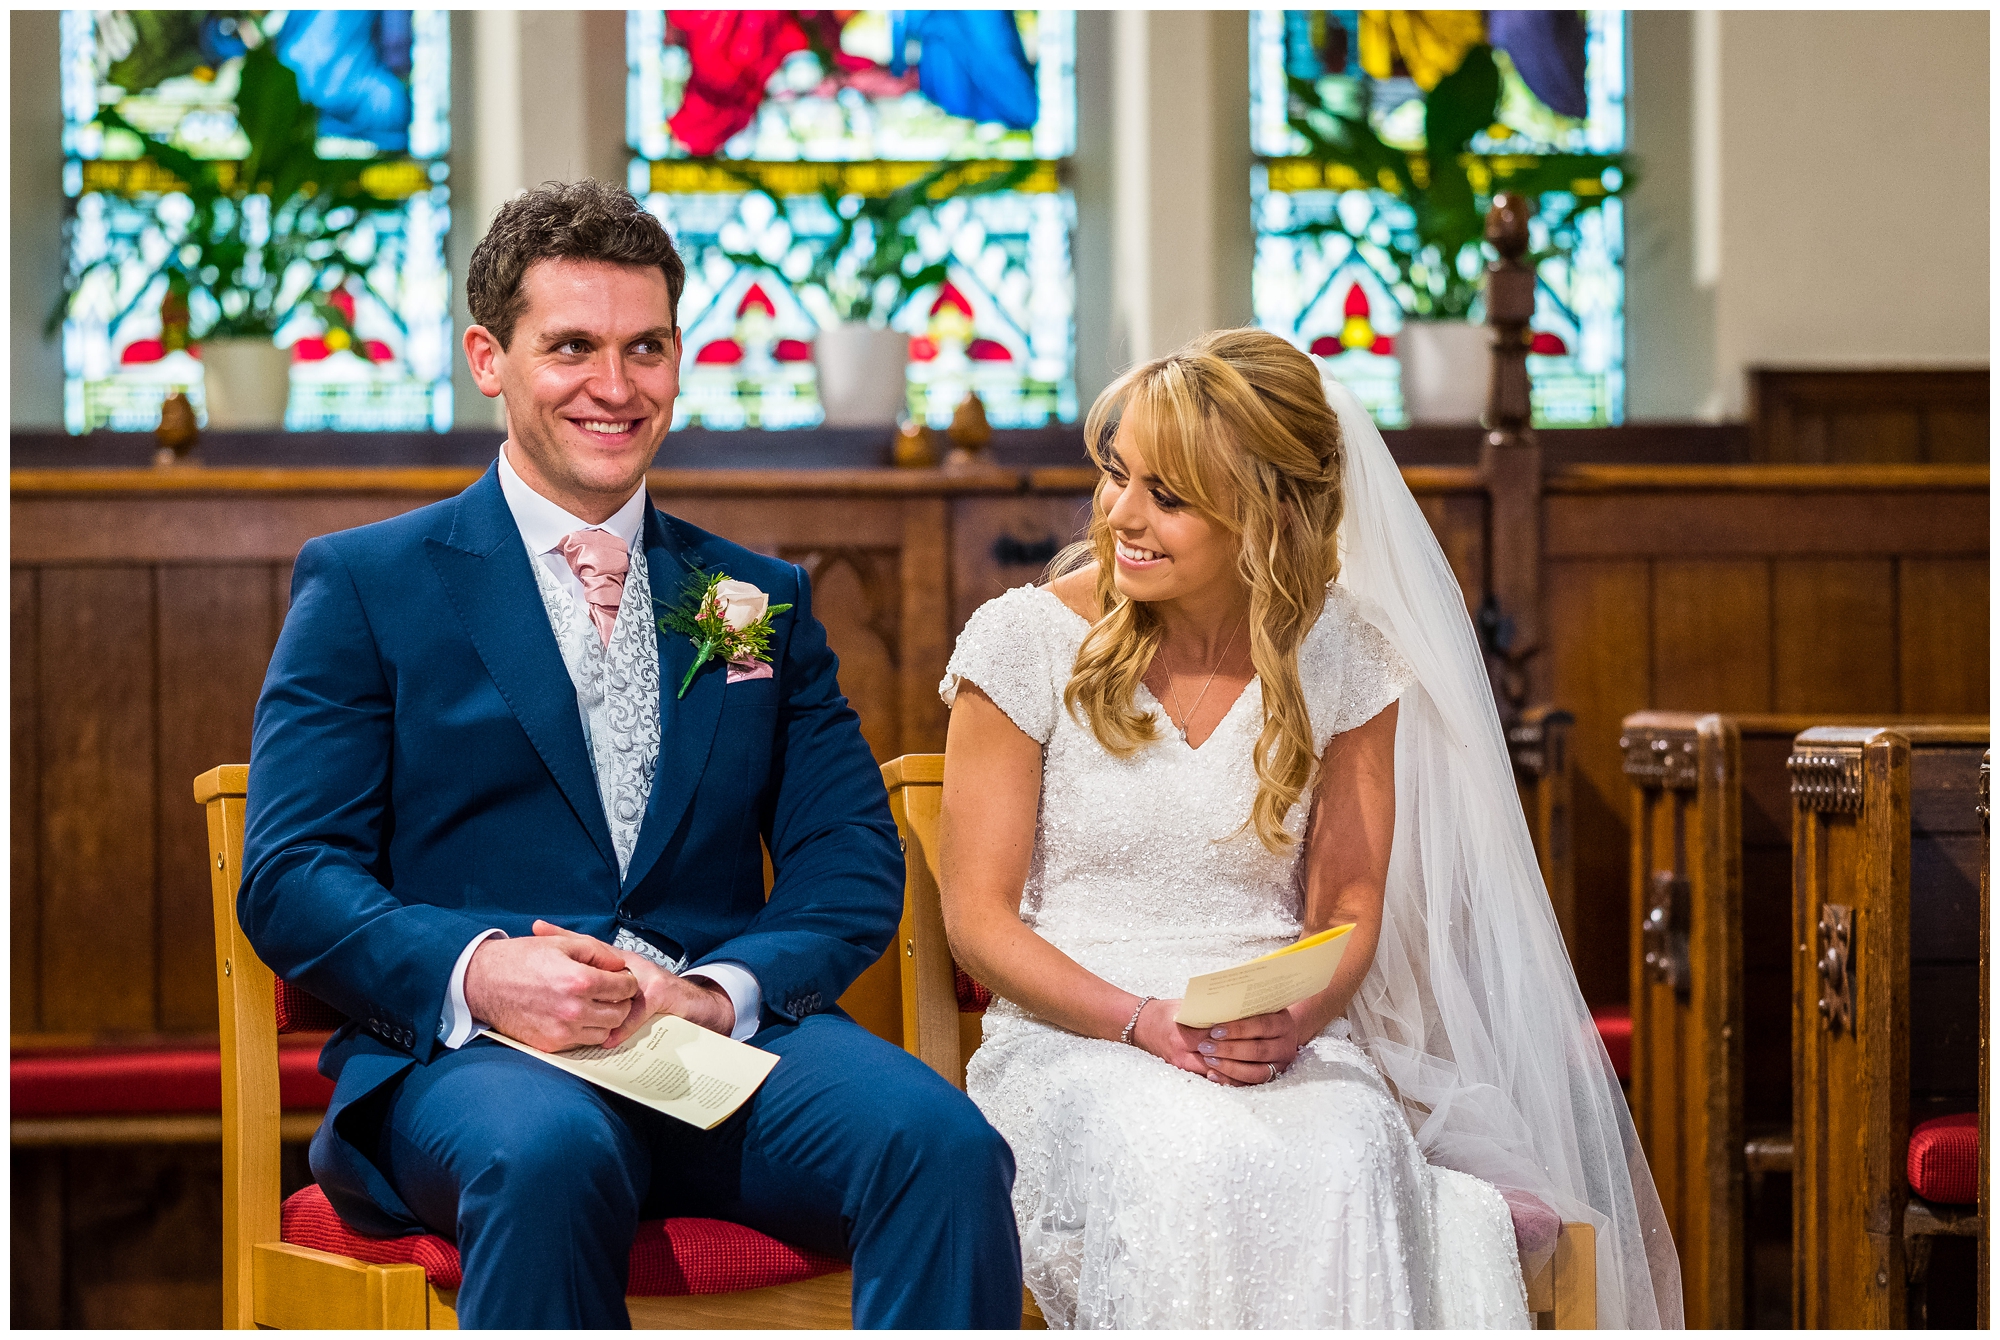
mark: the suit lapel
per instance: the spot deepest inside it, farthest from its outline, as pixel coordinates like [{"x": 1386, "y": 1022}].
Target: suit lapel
[
  {"x": 484, "y": 568},
  {"x": 687, "y": 725}
]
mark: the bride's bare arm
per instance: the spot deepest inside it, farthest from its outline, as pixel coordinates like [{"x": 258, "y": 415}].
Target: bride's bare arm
[
  {"x": 992, "y": 785},
  {"x": 1347, "y": 869}
]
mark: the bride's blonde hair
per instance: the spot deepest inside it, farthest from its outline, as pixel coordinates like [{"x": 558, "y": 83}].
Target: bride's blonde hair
[{"x": 1236, "y": 424}]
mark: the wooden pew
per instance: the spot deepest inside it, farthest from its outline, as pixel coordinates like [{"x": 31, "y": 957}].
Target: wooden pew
[
  {"x": 1711, "y": 972},
  {"x": 1538, "y": 743},
  {"x": 1885, "y": 991}
]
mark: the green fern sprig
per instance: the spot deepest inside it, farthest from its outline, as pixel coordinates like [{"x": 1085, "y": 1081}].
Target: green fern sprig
[{"x": 698, "y": 617}]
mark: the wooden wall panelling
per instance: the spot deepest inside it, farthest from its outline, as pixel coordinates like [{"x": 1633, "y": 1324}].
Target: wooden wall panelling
[
  {"x": 1831, "y": 620},
  {"x": 855, "y": 595},
  {"x": 1458, "y": 519},
  {"x": 1599, "y": 616},
  {"x": 98, "y": 919},
  {"x": 925, "y": 624},
  {"x": 215, "y": 638},
  {"x": 1941, "y": 636},
  {"x": 24, "y": 864},
  {"x": 1000, "y": 543},
  {"x": 1700, "y": 608},
  {"x": 1869, "y": 415}
]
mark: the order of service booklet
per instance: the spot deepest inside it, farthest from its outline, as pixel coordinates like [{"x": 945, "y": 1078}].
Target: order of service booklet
[
  {"x": 1264, "y": 984},
  {"x": 676, "y": 1067}
]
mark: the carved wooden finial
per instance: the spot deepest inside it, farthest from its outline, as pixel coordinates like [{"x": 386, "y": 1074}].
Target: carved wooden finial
[
  {"x": 1507, "y": 225},
  {"x": 969, "y": 433},
  {"x": 915, "y": 448},
  {"x": 1510, "y": 306},
  {"x": 177, "y": 433},
  {"x": 1511, "y": 461}
]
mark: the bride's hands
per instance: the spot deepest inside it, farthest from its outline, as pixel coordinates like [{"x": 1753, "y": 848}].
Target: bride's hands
[{"x": 1240, "y": 1052}]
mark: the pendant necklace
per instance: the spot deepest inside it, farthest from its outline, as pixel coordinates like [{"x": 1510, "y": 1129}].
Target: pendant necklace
[{"x": 1181, "y": 725}]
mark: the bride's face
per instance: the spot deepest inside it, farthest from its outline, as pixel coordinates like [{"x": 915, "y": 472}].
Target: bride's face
[{"x": 1166, "y": 549}]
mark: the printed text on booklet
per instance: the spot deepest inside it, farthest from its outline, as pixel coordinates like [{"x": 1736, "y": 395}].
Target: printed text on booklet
[{"x": 677, "y": 1067}]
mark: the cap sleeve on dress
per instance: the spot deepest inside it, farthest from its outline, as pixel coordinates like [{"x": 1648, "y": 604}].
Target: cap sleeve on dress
[
  {"x": 1348, "y": 669},
  {"x": 1005, "y": 651}
]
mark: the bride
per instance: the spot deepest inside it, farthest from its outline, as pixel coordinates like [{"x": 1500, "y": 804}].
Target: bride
[{"x": 1249, "y": 709}]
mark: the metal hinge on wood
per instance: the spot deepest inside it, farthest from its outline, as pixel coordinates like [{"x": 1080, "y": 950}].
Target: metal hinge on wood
[
  {"x": 1836, "y": 967},
  {"x": 1664, "y": 937}
]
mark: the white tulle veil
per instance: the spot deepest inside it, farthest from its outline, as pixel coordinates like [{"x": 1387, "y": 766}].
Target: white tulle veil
[{"x": 1471, "y": 1009}]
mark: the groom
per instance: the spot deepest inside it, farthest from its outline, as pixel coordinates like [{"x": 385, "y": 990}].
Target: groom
[{"x": 476, "y": 797}]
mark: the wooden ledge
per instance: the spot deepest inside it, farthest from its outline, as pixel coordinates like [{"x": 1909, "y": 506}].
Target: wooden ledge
[
  {"x": 1770, "y": 478},
  {"x": 171, "y": 1128},
  {"x": 446, "y": 481}
]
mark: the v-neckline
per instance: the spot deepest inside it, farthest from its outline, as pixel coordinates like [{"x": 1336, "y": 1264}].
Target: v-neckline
[{"x": 1173, "y": 731}]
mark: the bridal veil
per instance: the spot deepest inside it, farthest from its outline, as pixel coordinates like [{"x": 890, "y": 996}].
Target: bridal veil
[{"x": 1471, "y": 1009}]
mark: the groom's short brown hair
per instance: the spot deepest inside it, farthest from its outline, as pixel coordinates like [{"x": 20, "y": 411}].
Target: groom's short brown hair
[{"x": 584, "y": 220}]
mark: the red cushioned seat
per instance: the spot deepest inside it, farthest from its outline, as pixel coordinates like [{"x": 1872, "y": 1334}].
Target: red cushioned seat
[
  {"x": 1944, "y": 1160},
  {"x": 302, "y": 1012},
  {"x": 1614, "y": 1025},
  {"x": 671, "y": 1258},
  {"x": 95, "y": 1082},
  {"x": 972, "y": 997}
]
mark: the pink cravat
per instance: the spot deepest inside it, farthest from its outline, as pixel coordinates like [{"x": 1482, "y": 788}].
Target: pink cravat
[{"x": 599, "y": 560}]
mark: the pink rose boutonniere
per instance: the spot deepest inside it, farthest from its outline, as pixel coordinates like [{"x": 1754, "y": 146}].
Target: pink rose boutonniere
[{"x": 726, "y": 620}]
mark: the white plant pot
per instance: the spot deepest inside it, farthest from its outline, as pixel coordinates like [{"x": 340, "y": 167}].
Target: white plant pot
[
  {"x": 1446, "y": 369},
  {"x": 861, "y": 375},
  {"x": 246, "y": 383}
]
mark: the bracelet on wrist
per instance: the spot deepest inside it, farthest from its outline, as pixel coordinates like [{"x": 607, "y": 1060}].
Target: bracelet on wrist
[{"x": 1133, "y": 1022}]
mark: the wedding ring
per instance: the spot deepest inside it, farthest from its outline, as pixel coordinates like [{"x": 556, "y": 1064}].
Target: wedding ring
[{"x": 1273, "y": 1069}]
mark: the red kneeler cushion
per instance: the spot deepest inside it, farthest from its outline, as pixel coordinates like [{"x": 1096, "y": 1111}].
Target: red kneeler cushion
[
  {"x": 96, "y": 1082},
  {"x": 671, "y": 1258},
  {"x": 1944, "y": 1160},
  {"x": 1614, "y": 1025}
]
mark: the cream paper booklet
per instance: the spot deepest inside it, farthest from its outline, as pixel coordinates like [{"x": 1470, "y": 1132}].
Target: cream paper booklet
[
  {"x": 1264, "y": 984},
  {"x": 676, "y": 1067}
]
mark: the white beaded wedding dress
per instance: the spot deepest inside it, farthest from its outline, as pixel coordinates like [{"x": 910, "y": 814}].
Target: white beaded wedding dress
[
  {"x": 1151, "y": 1197},
  {"x": 1359, "y": 1187}
]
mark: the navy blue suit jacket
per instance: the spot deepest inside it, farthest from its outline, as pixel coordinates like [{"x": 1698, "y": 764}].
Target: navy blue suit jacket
[{"x": 419, "y": 773}]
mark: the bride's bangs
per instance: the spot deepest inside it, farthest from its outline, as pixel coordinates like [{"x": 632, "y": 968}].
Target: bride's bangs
[{"x": 1157, "y": 413}]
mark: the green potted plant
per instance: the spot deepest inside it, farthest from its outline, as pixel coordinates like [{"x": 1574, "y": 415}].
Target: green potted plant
[
  {"x": 1432, "y": 261},
  {"x": 867, "y": 270},
  {"x": 264, "y": 235}
]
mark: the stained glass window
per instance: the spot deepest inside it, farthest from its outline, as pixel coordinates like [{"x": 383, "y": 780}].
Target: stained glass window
[
  {"x": 354, "y": 286},
  {"x": 1323, "y": 274},
  {"x": 759, "y": 134}
]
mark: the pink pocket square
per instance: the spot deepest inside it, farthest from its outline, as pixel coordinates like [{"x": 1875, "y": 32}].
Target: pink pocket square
[{"x": 742, "y": 670}]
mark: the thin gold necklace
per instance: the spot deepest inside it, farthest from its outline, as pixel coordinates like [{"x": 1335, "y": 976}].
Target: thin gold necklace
[{"x": 1186, "y": 717}]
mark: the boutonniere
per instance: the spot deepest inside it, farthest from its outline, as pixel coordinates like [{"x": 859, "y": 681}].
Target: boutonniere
[{"x": 724, "y": 619}]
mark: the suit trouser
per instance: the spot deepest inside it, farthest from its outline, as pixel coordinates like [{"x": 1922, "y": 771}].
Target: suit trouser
[{"x": 852, "y": 1148}]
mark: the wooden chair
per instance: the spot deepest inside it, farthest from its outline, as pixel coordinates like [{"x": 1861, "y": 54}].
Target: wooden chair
[
  {"x": 1885, "y": 971},
  {"x": 271, "y": 1282},
  {"x": 1711, "y": 981},
  {"x": 1562, "y": 1295}
]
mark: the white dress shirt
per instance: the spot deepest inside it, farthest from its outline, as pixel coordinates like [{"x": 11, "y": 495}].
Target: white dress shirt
[{"x": 543, "y": 524}]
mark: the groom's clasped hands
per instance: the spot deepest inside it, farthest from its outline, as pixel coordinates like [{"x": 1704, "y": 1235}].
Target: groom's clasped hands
[
  {"x": 559, "y": 989},
  {"x": 1240, "y": 1052}
]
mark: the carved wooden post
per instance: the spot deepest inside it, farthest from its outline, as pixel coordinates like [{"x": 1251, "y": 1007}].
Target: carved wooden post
[{"x": 1510, "y": 459}]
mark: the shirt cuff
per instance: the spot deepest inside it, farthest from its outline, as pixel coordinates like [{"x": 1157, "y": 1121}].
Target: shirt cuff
[
  {"x": 741, "y": 987},
  {"x": 456, "y": 1026}
]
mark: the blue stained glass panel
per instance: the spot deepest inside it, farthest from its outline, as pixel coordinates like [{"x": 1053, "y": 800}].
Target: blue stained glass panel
[
  {"x": 379, "y": 82},
  {"x": 1335, "y": 298}
]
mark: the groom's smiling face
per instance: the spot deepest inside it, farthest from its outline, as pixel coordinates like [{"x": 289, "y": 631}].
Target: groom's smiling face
[{"x": 590, "y": 377}]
